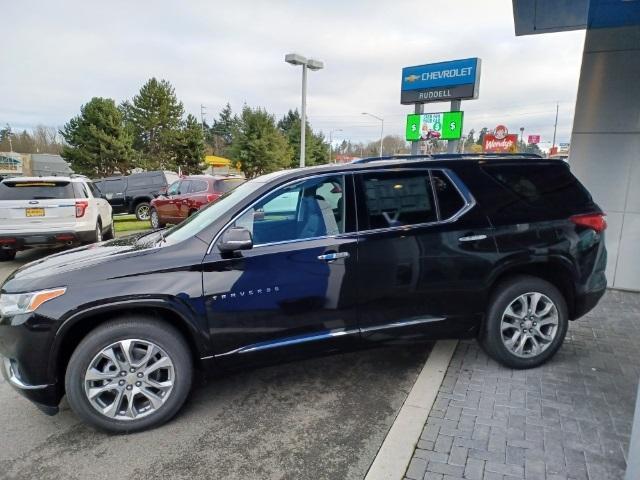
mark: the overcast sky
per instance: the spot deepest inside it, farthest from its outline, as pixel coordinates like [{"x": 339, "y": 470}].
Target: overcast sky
[{"x": 58, "y": 55}]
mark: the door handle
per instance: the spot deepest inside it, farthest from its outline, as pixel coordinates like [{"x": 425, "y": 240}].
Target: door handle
[
  {"x": 330, "y": 257},
  {"x": 472, "y": 238}
]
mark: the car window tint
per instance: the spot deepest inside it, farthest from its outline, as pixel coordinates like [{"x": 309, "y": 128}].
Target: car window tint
[
  {"x": 296, "y": 212},
  {"x": 396, "y": 199},
  {"x": 198, "y": 186},
  {"x": 551, "y": 187},
  {"x": 173, "y": 188},
  {"x": 228, "y": 184},
  {"x": 112, "y": 186},
  {"x": 44, "y": 190},
  {"x": 450, "y": 201},
  {"x": 138, "y": 181},
  {"x": 80, "y": 190},
  {"x": 95, "y": 191}
]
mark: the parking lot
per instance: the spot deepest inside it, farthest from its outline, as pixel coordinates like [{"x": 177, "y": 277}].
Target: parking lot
[{"x": 320, "y": 418}]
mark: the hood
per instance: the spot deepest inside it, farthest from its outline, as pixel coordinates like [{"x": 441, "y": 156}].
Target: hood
[{"x": 55, "y": 269}]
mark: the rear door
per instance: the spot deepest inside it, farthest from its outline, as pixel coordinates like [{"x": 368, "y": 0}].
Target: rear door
[
  {"x": 114, "y": 191},
  {"x": 424, "y": 255},
  {"x": 36, "y": 206}
]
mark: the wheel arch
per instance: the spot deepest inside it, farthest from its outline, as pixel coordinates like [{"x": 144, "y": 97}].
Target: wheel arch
[
  {"x": 557, "y": 271},
  {"x": 77, "y": 327}
]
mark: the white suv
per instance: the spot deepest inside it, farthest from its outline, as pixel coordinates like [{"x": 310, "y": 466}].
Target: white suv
[{"x": 51, "y": 211}]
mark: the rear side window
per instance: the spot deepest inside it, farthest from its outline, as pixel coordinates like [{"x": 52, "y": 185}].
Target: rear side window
[
  {"x": 17, "y": 190},
  {"x": 450, "y": 201},
  {"x": 140, "y": 181},
  {"x": 81, "y": 190},
  {"x": 549, "y": 187},
  {"x": 396, "y": 199},
  {"x": 198, "y": 186},
  {"x": 228, "y": 184},
  {"x": 112, "y": 186}
]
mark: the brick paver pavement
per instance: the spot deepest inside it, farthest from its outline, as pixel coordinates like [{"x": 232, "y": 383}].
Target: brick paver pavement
[{"x": 569, "y": 419}]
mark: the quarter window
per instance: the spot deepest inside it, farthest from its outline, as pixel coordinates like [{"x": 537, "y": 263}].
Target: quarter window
[
  {"x": 309, "y": 209},
  {"x": 449, "y": 200},
  {"x": 397, "y": 199}
]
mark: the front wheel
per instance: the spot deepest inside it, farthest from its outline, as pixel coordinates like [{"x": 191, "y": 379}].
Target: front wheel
[
  {"x": 129, "y": 374},
  {"x": 142, "y": 211},
  {"x": 155, "y": 220},
  {"x": 526, "y": 322}
]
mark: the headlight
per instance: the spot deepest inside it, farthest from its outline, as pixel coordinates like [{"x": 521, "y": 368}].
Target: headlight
[{"x": 17, "y": 303}]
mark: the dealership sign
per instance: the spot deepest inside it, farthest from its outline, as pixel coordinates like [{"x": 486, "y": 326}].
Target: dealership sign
[
  {"x": 533, "y": 139},
  {"x": 439, "y": 82},
  {"x": 500, "y": 141},
  {"x": 438, "y": 126}
]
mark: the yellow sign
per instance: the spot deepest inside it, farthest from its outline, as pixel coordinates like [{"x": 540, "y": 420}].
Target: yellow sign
[{"x": 217, "y": 161}]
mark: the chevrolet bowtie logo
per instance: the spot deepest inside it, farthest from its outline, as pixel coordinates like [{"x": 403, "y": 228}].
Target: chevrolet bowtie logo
[{"x": 412, "y": 78}]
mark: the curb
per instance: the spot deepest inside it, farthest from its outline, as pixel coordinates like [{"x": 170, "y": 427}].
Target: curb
[{"x": 397, "y": 449}]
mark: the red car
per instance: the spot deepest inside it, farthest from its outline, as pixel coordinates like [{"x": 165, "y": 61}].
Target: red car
[{"x": 186, "y": 196}]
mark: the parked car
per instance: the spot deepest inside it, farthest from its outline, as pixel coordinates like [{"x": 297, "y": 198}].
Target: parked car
[
  {"x": 51, "y": 211},
  {"x": 186, "y": 196},
  {"x": 133, "y": 193},
  {"x": 314, "y": 260}
]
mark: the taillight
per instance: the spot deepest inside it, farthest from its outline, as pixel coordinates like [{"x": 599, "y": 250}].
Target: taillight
[
  {"x": 81, "y": 207},
  {"x": 596, "y": 221},
  {"x": 211, "y": 197}
]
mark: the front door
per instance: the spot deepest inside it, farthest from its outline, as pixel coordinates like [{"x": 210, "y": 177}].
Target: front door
[
  {"x": 295, "y": 289},
  {"x": 166, "y": 204},
  {"x": 423, "y": 261}
]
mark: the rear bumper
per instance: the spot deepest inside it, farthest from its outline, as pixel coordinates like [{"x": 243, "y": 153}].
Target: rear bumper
[
  {"x": 588, "y": 298},
  {"x": 21, "y": 241}
]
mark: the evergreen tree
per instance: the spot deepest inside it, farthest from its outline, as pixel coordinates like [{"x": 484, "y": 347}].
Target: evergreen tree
[
  {"x": 219, "y": 135},
  {"x": 154, "y": 116},
  {"x": 316, "y": 148},
  {"x": 97, "y": 143},
  {"x": 258, "y": 145},
  {"x": 190, "y": 147}
]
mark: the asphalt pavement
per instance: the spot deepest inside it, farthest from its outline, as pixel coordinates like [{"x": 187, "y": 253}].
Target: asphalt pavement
[{"x": 322, "y": 418}]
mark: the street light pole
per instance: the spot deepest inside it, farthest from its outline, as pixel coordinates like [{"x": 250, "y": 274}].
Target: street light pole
[
  {"x": 331, "y": 141},
  {"x": 296, "y": 59},
  {"x": 381, "y": 119}
]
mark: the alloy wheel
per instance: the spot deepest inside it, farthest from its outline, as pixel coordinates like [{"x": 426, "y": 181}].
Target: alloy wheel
[
  {"x": 143, "y": 212},
  {"x": 129, "y": 379},
  {"x": 155, "y": 223},
  {"x": 529, "y": 325}
]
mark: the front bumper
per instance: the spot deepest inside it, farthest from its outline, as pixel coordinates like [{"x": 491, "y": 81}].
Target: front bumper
[
  {"x": 22, "y": 241},
  {"x": 45, "y": 397}
]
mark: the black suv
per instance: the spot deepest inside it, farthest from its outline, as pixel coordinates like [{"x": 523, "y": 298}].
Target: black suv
[
  {"x": 304, "y": 261},
  {"x": 133, "y": 193}
]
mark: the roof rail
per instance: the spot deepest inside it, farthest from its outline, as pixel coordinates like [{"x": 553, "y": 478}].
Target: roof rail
[{"x": 440, "y": 156}]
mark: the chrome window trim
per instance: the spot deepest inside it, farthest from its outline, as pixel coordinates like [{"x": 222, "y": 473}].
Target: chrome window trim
[{"x": 468, "y": 198}]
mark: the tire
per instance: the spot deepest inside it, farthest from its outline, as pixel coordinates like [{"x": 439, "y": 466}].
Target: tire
[
  {"x": 110, "y": 234},
  {"x": 98, "y": 233},
  {"x": 167, "y": 341},
  {"x": 518, "y": 294},
  {"x": 191, "y": 212},
  {"x": 142, "y": 211},
  {"x": 6, "y": 255},
  {"x": 155, "y": 219}
]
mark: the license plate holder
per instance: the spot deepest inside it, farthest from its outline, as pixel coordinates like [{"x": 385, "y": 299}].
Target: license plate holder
[{"x": 34, "y": 212}]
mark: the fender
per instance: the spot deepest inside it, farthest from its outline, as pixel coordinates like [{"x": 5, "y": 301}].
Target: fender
[{"x": 190, "y": 321}]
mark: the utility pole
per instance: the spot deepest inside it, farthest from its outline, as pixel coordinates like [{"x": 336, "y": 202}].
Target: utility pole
[
  {"x": 203, "y": 112},
  {"x": 555, "y": 128}
]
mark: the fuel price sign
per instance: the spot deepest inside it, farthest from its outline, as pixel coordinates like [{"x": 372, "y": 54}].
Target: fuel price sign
[{"x": 439, "y": 126}]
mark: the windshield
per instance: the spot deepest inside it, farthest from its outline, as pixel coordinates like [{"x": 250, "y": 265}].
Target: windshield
[{"x": 205, "y": 217}]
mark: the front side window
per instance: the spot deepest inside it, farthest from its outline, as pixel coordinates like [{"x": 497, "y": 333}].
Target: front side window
[
  {"x": 308, "y": 209},
  {"x": 173, "y": 188},
  {"x": 396, "y": 199}
]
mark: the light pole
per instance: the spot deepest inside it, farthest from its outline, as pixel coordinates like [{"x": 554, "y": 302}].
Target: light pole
[
  {"x": 522, "y": 137},
  {"x": 331, "y": 141},
  {"x": 381, "y": 127},
  {"x": 296, "y": 59}
]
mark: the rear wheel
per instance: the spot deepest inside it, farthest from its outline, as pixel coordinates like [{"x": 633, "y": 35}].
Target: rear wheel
[
  {"x": 110, "y": 233},
  {"x": 6, "y": 255},
  {"x": 155, "y": 219},
  {"x": 129, "y": 375},
  {"x": 526, "y": 322},
  {"x": 98, "y": 233},
  {"x": 142, "y": 211}
]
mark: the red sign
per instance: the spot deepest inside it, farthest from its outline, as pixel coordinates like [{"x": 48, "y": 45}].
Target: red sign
[
  {"x": 493, "y": 144},
  {"x": 533, "y": 139}
]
